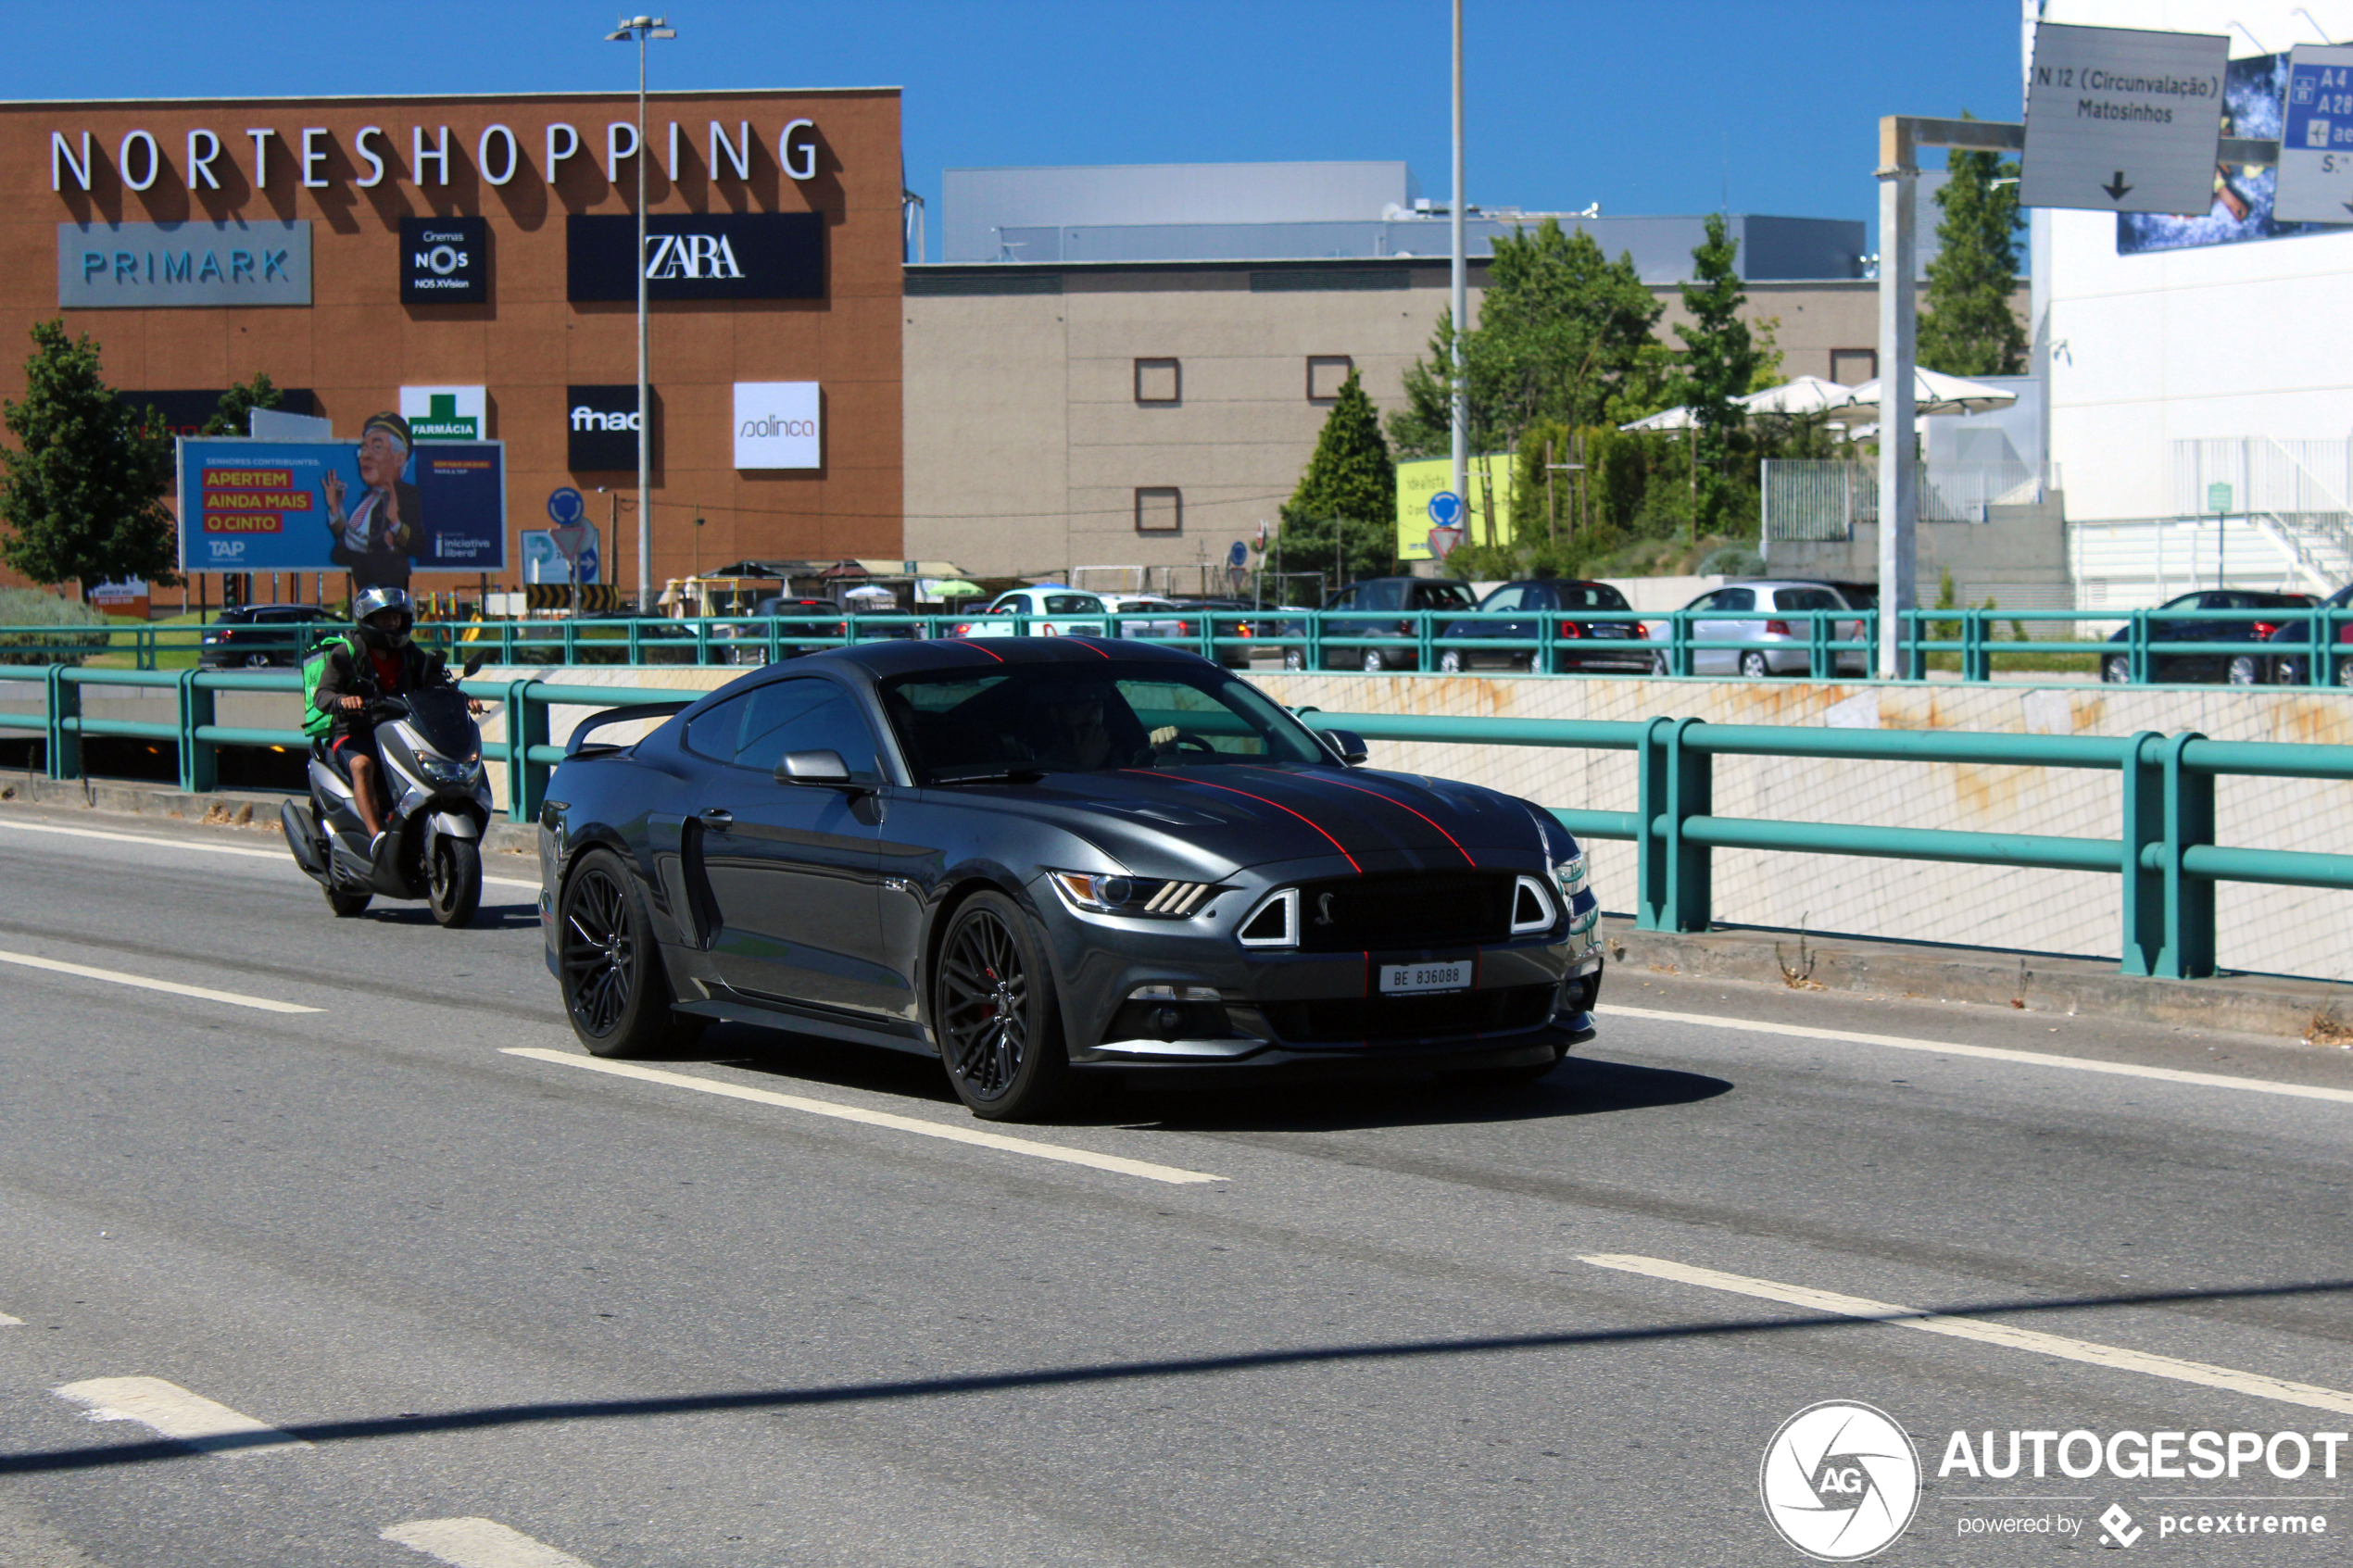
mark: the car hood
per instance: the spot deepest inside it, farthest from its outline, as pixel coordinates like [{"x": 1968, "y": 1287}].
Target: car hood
[{"x": 1219, "y": 820}]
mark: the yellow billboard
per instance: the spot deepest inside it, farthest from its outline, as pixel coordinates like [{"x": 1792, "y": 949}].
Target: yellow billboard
[{"x": 1421, "y": 478}]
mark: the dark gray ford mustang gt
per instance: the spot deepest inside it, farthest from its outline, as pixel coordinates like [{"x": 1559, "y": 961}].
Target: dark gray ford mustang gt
[{"x": 1034, "y": 855}]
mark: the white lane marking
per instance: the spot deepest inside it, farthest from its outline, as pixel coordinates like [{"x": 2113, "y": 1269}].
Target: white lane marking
[
  {"x": 169, "y": 1411},
  {"x": 973, "y": 1136},
  {"x": 478, "y": 1543},
  {"x": 1897, "y": 1316},
  {"x": 7, "y": 1322},
  {"x": 1993, "y": 1053},
  {"x": 278, "y": 855},
  {"x": 116, "y": 977}
]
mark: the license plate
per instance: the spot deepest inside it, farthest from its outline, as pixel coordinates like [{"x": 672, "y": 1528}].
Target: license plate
[{"x": 1404, "y": 979}]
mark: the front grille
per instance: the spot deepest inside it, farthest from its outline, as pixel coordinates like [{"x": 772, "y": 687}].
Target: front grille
[
  {"x": 1347, "y": 1019},
  {"x": 1409, "y": 910}
]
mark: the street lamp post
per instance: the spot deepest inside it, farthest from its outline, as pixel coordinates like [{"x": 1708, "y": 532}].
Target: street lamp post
[{"x": 639, "y": 28}]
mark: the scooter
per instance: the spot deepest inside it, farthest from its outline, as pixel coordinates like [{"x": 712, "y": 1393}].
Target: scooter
[{"x": 429, "y": 749}]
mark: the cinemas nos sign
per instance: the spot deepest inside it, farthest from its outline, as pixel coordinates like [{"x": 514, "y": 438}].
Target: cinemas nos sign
[{"x": 725, "y": 256}]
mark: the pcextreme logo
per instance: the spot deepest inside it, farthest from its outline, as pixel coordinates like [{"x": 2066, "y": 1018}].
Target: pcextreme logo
[{"x": 1840, "y": 1481}]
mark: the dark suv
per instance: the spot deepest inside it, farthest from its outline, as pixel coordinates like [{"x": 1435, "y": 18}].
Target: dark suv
[
  {"x": 1384, "y": 602},
  {"x": 259, "y": 636}
]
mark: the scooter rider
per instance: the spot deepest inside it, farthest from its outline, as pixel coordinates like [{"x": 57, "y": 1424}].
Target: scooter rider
[{"x": 388, "y": 664}]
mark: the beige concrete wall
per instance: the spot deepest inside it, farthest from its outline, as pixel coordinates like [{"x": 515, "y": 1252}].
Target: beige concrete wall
[{"x": 1026, "y": 444}]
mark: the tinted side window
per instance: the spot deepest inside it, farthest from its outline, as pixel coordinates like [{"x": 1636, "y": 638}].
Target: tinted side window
[
  {"x": 1806, "y": 599},
  {"x": 1073, "y": 604},
  {"x": 1441, "y": 596},
  {"x": 1504, "y": 598},
  {"x": 1381, "y": 595},
  {"x": 805, "y": 715},
  {"x": 1344, "y": 600},
  {"x": 1736, "y": 598},
  {"x": 713, "y": 731}
]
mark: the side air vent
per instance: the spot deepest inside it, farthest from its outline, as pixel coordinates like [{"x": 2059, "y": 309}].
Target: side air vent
[
  {"x": 1531, "y": 907},
  {"x": 1274, "y": 923}
]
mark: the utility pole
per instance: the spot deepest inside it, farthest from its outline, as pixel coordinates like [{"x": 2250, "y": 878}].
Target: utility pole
[
  {"x": 1460, "y": 421},
  {"x": 641, "y": 29}
]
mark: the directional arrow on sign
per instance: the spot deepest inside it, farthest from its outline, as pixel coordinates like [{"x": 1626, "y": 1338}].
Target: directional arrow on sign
[{"x": 2116, "y": 187}]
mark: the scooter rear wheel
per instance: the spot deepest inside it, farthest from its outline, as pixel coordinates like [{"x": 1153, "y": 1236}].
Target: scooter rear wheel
[{"x": 347, "y": 904}]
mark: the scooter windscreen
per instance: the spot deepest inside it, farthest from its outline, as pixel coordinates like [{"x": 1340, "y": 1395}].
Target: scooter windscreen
[{"x": 441, "y": 720}]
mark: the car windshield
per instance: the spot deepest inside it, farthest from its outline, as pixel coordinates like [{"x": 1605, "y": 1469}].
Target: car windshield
[{"x": 963, "y": 725}]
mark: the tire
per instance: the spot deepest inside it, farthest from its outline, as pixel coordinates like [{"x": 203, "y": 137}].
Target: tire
[
  {"x": 1294, "y": 658},
  {"x": 453, "y": 882},
  {"x": 2245, "y": 671},
  {"x": 1375, "y": 663},
  {"x": 2345, "y": 672},
  {"x": 1451, "y": 661},
  {"x": 2286, "y": 672},
  {"x": 1752, "y": 665},
  {"x": 347, "y": 904},
  {"x": 1658, "y": 666},
  {"x": 259, "y": 661},
  {"x": 614, "y": 990},
  {"x": 995, "y": 1015},
  {"x": 2117, "y": 670}
]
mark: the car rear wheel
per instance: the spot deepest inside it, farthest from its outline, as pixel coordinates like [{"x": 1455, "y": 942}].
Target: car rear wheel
[
  {"x": 256, "y": 661},
  {"x": 994, "y": 1012},
  {"x": 1294, "y": 658},
  {"x": 1375, "y": 663},
  {"x": 1658, "y": 665},
  {"x": 1451, "y": 661},
  {"x": 1752, "y": 665},
  {"x": 2246, "y": 670},
  {"x": 2344, "y": 672},
  {"x": 2117, "y": 670},
  {"x": 614, "y": 990}
]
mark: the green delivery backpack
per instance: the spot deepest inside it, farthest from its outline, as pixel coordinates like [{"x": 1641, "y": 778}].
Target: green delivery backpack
[{"x": 315, "y": 722}]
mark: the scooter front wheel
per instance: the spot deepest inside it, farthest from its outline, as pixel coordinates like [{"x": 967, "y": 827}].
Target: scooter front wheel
[{"x": 453, "y": 881}]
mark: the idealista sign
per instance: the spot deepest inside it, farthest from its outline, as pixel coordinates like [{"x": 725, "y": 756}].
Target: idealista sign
[{"x": 77, "y": 162}]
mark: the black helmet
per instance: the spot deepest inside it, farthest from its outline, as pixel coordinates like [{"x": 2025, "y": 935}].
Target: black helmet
[{"x": 375, "y": 601}]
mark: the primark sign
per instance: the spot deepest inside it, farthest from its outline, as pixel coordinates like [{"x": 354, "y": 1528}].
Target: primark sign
[
  {"x": 119, "y": 266},
  {"x": 727, "y": 255}
]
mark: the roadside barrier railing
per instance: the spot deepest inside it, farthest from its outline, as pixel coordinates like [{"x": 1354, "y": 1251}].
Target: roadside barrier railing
[
  {"x": 2152, "y": 648},
  {"x": 2165, "y": 852}
]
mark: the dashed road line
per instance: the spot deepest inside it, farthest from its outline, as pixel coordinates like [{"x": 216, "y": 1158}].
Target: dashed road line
[
  {"x": 280, "y": 856},
  {"x": 116, "y": 977},
  {"x": 172, "y": 1411},
  {"x": 1893, "y": 1315},
  {"x": 1991, "y": 1053},
  {"x": 7, "y": 1322},
  {"x": 477, "y": 1543},
  {"x": 1119, "y": 1164}
]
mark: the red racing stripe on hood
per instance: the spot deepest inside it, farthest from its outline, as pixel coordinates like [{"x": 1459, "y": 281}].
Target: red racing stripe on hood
[
  {"x": 1398, "y": 804},
  {"x": 1262, "y": 801}
]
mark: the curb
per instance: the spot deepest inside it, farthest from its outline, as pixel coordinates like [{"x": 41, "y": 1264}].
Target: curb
[
  {"x": 225, "y": 808},
  {"x": 2316, "y": 1011}
]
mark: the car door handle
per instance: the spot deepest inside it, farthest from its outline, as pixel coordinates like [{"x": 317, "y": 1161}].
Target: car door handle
[{"x": 718, "y": 816}]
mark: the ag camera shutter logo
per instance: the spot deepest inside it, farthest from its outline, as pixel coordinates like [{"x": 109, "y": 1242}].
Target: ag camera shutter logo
[
  {"x": 1840, "y": 1481},
  {"x": 777, "y": 425}
]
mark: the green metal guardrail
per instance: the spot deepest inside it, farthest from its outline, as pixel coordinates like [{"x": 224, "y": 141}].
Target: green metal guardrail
[
  {"x": 1805, "y": 642},
  {"x": 2165, "y": 852}
]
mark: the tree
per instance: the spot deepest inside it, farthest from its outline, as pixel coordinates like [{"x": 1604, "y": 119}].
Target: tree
[
  {"x": 81, "y": 496},
  {"x": 1561, "y": 329},
  {"x": 237, "y": 403},
  {"x": 1720, "y": 358},
  {"x": 1967, "y": 327},
  {"x": 1345, "y": 507}
]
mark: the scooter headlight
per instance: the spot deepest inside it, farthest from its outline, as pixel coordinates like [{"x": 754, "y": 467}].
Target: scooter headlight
[{"x": 443, "y": 770}]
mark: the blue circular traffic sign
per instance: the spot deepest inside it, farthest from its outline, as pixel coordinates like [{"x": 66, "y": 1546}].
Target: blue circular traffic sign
[
  {"x": 1239, "y": 555},
  {"x": 567, "y": 506},
  {"x": 1446, "y": 508}
]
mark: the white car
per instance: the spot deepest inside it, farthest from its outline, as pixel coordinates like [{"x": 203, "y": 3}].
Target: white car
[{"x": 1053, "y": 610}]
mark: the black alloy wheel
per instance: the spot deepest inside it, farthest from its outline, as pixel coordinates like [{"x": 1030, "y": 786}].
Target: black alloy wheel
[
  {"x": 614, "y": 990},
  {"x": 994, "y": 1012}
]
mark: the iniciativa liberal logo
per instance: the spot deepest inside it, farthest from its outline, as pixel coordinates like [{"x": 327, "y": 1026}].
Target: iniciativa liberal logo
[{"x": 1840, "y": 1481}]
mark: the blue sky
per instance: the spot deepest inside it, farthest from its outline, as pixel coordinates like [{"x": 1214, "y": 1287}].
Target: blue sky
[{"x": 1658, "y": 106}]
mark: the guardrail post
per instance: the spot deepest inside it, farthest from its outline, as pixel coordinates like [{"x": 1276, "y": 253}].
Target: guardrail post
[
  {"x": 1314, "y": 659},
  {"x": 199, "y": 762},
  {"x": 1424, "y": 633},
  {"x": 1546, "y": 660},
  {"x": 1977, "y": 656},
  {"x": 2169, "y": 913},
  {"x": 2136, "y": 644},
  {"x": 1679, "y": 643},
  {"x": 62, "y": 747},
  {"x": 526, "y": 727},
  {"x": 1675, "y": 782}
]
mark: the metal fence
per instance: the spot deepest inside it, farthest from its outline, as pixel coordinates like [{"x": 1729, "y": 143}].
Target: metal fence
[
  {"x": 1824, "y": 498},
  {"x": 2165, "y": 850}
]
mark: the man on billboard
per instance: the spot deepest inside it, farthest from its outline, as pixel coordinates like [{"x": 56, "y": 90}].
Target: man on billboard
[{"x": 376, "y": 540}]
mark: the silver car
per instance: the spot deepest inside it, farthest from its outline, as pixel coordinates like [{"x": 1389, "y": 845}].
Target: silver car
[{"x": 1745, "y": 612}]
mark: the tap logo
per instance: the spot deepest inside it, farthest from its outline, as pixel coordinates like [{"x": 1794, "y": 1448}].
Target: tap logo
[{"x": 1840, "y": 1481}]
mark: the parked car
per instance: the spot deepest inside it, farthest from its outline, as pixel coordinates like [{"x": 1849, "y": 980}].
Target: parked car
[
  {"x": 2240, "y": 670},
  {"x": 1743, "y": 612},
  {"x": 603, "y": 638},
  {"x": 1101, "y": 859},
  {"x": 2288, "y": 670},
  {"x": 749, "y": 640},
  {"x": 1144, "y": 604},
  {"x": 1054, "y": 608},
  {"x": 1229, "y": 614},
  {"x": 1585, "y": 645},
  {"x": 1183, "y": 623},
  {"x": 1387, "y": 601},
  {"x": 259, "y": 636}
]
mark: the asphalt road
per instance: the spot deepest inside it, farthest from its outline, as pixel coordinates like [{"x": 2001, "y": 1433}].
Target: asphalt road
[{"x": 632, "y": 1320}]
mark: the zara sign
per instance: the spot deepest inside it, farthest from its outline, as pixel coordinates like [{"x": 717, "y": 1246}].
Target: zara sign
[
  {"x": 732, "y": 255},
  {"x": 777, "y": 425}
]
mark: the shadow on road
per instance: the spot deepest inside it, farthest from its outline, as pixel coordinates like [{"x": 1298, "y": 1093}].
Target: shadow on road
[{"x": 490, "y": 916}]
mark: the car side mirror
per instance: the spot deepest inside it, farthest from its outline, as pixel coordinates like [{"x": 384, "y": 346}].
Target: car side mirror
[
  {"x": 822, "y": 768},
  {"x": 1349, "y": 744},
  {"x": 473, "y": 664}
]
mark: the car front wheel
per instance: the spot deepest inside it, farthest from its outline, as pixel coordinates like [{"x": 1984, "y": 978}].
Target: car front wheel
[
  {"x": 614, "y": 990},
  {"x": 1451, "y": 661},
  {"x": 994, "y": 1013},
  {"x": 1752, "y": 665},
  {"x": 1375, "y": 664},
  {"x": 1294, "y": 658},
  {"x": 2246, "y": 670},
  {"x": 2117, "y": 670}
]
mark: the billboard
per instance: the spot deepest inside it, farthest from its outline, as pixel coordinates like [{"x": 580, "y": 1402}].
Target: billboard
[
  {"x": 445, "y": 261},
  {"x": 374, "y": 508},
  {"x": 777, "y": 425},
  {"x": 731, "y": 256},
  {"x": 1421, "y": 478},
  {"x": 447, "y": 413},
  {"x": 2253, "y": 91},
  {"x": 600, "y": 428}
]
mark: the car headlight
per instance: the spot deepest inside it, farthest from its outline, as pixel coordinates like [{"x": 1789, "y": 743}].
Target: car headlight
[
  {"x": 1118, "y": 894},
  {"x": 1571, "y": 875}
]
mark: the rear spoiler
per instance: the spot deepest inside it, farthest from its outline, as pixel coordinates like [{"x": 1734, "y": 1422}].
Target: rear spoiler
[{"x": 581, "y": 731}]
